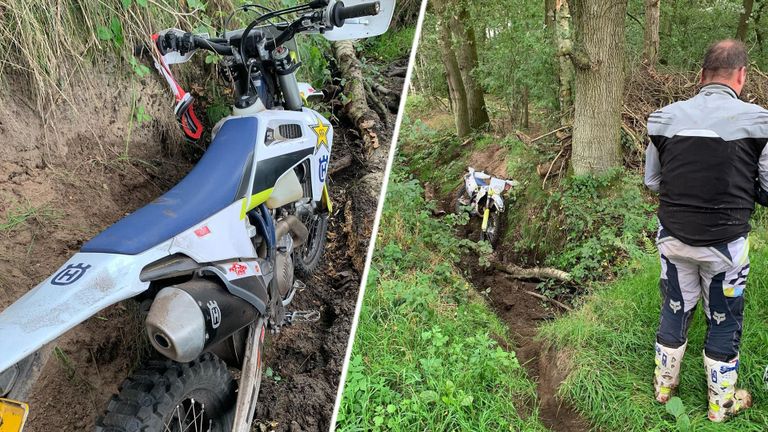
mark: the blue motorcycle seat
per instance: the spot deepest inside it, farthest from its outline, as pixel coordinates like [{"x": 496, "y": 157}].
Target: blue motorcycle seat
[
  {"x": 211, "y": 186},
  {"x": 480, "y": 181}
]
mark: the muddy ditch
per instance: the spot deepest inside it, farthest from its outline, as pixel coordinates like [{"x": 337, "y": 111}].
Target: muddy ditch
[
  {"x": 73, "y": 173},
  {"x": 523, "y": 314}
]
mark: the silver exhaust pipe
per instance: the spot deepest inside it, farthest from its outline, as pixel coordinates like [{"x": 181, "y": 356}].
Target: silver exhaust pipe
[{"x": 176, "y": 325}]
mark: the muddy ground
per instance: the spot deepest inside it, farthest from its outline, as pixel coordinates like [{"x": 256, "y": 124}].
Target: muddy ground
[
  {"x": 82, "y": 166},
  {"x": 523, "y": 314}
]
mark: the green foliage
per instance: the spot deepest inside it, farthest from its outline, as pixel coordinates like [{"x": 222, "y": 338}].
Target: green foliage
[
  {"x": 436, "y": 156},
  {"x": 392, "y": 45},
  {"x": 687, "y": 28},
  {"x": 517, "y": 53},
  {"x": 610, "y": 340},
  {"x": 314, "y": 60},
  {"x": 676, "y": 408},
  {"x": 426, "y": 355},
  {"x": 602, "y": 220}
]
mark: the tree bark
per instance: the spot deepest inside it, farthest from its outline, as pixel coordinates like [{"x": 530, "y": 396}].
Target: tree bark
[
  {"x": 564, "y": 45},
  {"x": 598, "y": 55},
  {"x": 746, "y": 11},
  {"x": 651, "y": 36},
  {"x": 549, "y": 13},
  {"x": 466, "y": 53},
  {"x": 525, "y": 103},
  {"x": 356, "y": 107},
  {"x": 456, "y": 92}
]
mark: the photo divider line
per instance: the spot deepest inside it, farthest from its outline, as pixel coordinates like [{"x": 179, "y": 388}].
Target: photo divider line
[{"x": 377, "y": 218}]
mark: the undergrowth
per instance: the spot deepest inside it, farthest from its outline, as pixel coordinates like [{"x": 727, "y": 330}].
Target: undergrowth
[{"x": 427, "y": 355}]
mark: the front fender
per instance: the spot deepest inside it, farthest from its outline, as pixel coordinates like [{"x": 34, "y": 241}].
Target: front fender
[{"x": 83, "y": 286}]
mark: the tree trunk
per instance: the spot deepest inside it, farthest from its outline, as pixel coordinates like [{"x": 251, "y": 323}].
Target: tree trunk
[
  {"x": 356, "y": 108},
  {"x": 651, "y": 37},
  {"x": 746, "y": 11},
  {"x": 598, "y": 55},
  {"x": 549, "y": 13},
  {"x": 525, "y": 103},
  {"x": 456, "y": 92},
  {"x": 564, "y": 45},
  {"x": 466, "y": 54}
]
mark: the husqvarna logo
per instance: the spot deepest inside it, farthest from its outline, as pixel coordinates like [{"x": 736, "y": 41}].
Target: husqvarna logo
[
  {"x": 215, "y": 311},
  {"x": 323, "y": 168},
  {"x": 70, "y": 274}
]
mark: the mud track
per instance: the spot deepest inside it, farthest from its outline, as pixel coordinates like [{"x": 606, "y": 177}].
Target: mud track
[
  {"x": 68, "y": 176},
  {"x": 523, "y": 314}
]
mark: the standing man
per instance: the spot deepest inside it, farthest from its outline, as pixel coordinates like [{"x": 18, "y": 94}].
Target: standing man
[{"x": 708, "y": 160}]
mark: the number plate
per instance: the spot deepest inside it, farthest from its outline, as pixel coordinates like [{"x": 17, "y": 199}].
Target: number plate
[{"x": 12, "y": 415}]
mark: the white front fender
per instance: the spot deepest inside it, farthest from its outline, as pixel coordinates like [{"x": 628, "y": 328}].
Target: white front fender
[{"x": 83, "y": 286}]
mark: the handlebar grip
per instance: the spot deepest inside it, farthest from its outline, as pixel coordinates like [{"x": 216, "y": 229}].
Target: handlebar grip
[{"x": 341, "y": 12}]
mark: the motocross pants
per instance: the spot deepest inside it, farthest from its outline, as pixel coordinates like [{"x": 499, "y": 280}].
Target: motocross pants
[{"x": 716, "y": 274}]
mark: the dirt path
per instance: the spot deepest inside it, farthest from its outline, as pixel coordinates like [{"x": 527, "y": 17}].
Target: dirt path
[
  {"x": 523, "y": 315},
  {"x": 70, "y": 182}
]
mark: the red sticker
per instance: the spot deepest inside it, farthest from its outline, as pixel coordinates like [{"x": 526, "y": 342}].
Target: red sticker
[
  {"x": 257, "y": 268},
  {"x": 202, "y": 232},
  {"x": 238, "y": 269}
]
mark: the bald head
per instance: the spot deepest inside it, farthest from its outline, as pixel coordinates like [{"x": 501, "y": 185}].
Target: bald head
[{"x": 725, "y": 62}]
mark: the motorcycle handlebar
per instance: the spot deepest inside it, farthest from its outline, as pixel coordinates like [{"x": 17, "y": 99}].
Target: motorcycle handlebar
[{"x": 341, "y": 12}]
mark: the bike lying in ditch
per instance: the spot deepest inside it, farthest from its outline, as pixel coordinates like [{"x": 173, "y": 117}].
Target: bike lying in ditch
[
  {"x": 483, "y": 194},
  {"x": 214, "y": 258}
]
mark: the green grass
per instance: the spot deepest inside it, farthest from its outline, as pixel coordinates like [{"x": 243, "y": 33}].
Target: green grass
[
  {"x": 612, "y": 338},
  {"x": 21, "y": 214},
  {"x": 427, "y": 354}
]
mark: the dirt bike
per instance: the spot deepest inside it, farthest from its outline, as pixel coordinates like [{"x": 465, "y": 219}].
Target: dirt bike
[
  {"x": 214, "y": 258},
  {"x": 483, "y": 195}
]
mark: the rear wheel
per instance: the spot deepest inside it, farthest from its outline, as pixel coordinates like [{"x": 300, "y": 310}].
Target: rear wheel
[
  {"x": 308, "y": 256},
  {"x": 166, "y": 396}
]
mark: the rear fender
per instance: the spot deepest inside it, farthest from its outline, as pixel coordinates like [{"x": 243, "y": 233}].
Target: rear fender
[{"x": 83, "y": 286}]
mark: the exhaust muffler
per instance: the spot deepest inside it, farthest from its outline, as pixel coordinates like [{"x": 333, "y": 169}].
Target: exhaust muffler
[{"x": 186, "y": 319}]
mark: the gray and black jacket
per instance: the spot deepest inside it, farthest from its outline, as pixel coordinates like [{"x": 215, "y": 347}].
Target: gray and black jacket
[{"x": 708, "y": 160}]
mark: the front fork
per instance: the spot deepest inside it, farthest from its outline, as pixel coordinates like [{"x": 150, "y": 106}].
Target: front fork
[{"x": 486, "y": 214}]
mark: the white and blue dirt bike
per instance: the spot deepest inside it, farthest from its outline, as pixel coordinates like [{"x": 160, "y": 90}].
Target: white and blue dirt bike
[
  {"x": 213, "y": 259},
  {"x": 483, "y": 194}
]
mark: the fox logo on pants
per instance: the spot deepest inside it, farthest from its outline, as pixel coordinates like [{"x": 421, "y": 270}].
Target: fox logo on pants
[
  {"x": 675, "y": 306},
  {"x": 718, "y": 317}
]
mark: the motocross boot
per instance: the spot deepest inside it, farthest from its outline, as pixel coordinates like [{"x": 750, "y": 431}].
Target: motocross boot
[
  {"x": 725, "y": 399},
  {"x": 666, "y": 377}
]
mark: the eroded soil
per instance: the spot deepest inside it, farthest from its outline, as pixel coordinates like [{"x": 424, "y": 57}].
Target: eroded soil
[
  {"x": 523, "y": 315},
  {"x": 70, "y": 175}
]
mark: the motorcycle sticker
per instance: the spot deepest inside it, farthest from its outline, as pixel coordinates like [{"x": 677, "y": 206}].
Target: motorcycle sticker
[{"x": 70, "y": 274}]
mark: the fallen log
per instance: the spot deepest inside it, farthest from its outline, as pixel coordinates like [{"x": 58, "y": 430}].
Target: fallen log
[
  {"x": 356, "y": 105},
  {"x": 518, "y": 272}
]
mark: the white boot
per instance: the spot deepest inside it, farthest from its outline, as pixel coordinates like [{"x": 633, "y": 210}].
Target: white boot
[
  {"x": 667, "y": 373},
  {"x": 724, "y": 399}
]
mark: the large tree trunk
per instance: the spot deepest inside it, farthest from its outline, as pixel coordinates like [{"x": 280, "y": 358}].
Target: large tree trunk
[
  {"x": 741, "y": 31},
  {"x": 456, "y": 90},
  {"x": 356, "y": 108},
  {"x": 564, "y": 45},
  {"x": 598, "y": 55},
  {"x": 466, "y": 54},
  {"x": 549, "y": 13},
  {"x": 651, "y": 38}
]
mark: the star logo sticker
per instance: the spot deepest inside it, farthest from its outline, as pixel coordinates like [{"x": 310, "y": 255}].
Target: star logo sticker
[{"x": 321, "y": 131}]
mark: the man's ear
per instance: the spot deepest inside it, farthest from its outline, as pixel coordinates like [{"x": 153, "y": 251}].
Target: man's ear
[
  {"x": 742, "y": 75},
  {"x": 701, "y": 76}
]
